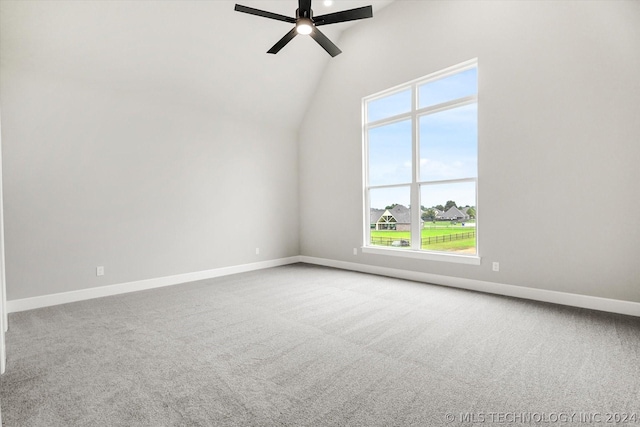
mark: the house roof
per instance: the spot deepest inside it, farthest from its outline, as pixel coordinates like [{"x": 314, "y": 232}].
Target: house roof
[
  {"x": 402, "y": 214},
  {"x": 453, "y": 213},
  {"x": 375, "y": 215}
]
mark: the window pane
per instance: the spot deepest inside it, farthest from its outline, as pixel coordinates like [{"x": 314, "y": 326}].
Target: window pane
[
  {"x": 390, "y": 217},
  {"x": 390, "y": 154},
  {"x": 449, "y": 144},
  {"x": 449, "y": 217},
  {"x": 449, "y": 88},
  {"x": 389, "y": 106}
]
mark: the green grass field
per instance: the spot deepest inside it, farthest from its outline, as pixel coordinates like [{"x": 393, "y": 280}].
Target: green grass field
[{"x": 467, "y": 245}]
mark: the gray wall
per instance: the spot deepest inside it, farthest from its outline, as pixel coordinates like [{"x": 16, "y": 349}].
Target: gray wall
[
  {"x": 3, "y": 288},
  {"x": 149, "y": 186},
  {"x": 559, "y": 132},
  {"x": 146, "y": 188}
]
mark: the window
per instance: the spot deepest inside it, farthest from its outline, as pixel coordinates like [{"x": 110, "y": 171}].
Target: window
[{"x": 421, "y": 167}]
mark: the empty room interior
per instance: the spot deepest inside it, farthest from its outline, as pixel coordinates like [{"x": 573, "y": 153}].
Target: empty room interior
[{"x": 319, "y": 213}]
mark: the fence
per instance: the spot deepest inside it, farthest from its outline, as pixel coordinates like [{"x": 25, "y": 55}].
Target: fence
[
  {"x": 447, "y": 238},
  {"x": 389, "y": 241},
  {"x": 393, "y": 241}
]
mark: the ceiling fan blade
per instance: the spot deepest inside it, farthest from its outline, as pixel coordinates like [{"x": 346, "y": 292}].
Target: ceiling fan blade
[
  {"x": 264, "y": 13},
  {"x": 344, "y": 16},
  {"x": 283, "y": 41},
  {"x": 323, "y": 41}
]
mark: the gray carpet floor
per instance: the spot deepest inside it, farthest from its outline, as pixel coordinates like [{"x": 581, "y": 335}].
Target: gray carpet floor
[{"x": 312, "y": 346}]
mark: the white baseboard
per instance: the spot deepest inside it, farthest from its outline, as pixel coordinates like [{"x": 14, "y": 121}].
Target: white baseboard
[
  {"x": 575, "y": 300},
  {"x": 140, "y": 285},
  {"x": 563, "y": 298}
]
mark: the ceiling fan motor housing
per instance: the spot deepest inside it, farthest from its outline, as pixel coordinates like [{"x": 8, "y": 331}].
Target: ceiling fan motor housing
[{"x": 298, "y": 16}]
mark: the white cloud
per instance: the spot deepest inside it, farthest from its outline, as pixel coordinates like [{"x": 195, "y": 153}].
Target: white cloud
[{"x": 435, "y": 169}]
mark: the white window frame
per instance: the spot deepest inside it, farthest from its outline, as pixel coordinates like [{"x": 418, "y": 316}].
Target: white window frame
[{"x": 414, "y": 115}]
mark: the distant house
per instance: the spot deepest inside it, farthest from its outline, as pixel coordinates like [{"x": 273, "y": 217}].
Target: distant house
[
  {"x": 454, "y": 214},
  {"x": 398, "y": 218},
  {"x": 438, "y": 213},
  {"x": 465, "y": 211},
  {"x": 376, "y": 215}
]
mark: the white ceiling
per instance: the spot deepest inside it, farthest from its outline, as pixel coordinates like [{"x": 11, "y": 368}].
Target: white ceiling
[{"x": 194, "y": 52}]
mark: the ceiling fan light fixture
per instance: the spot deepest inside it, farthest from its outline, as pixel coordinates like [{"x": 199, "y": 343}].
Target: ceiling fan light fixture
[{"x": 304, "y": 26}]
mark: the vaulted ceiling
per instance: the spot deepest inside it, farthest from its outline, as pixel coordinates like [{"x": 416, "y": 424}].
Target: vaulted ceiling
[{"x": 191, "y": 52}]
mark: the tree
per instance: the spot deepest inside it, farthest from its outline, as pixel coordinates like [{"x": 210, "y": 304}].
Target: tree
[
  {"x": 471, "y": 212},
  {"x": 391, "y": 206},
  {"x": 439, "y": 207},
  {"x": 429, "y": 215},
  {"x": 450, "y": 204}
]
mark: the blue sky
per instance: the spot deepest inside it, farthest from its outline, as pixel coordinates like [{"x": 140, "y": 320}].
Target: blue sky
[
  {"x": 390, "y": 154},
  {"x": 382, "y": 197},
  {"x": 449, "y": 144},
  {"x": 389, "y": 106},
  {"x": 456, "y": 86}
]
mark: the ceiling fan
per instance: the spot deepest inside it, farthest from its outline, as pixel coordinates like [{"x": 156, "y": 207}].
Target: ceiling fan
[{"x": 307, "y": 24}]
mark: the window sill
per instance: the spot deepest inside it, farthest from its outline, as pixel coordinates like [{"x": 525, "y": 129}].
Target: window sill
[{"x": 429, "y": 256}]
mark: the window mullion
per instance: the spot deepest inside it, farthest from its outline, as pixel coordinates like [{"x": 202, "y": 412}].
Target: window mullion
[
  {"x": 415, "y": 188},
  {"x": 366, "y": 218},
  {"x": 449, "y": 105}
]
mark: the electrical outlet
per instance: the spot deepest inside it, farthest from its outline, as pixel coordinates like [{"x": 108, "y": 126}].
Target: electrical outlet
[
  {"x": 257, "y": 251},
  {"x": 100, "y": 271},
  {"x": 496, "y": 266}
]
